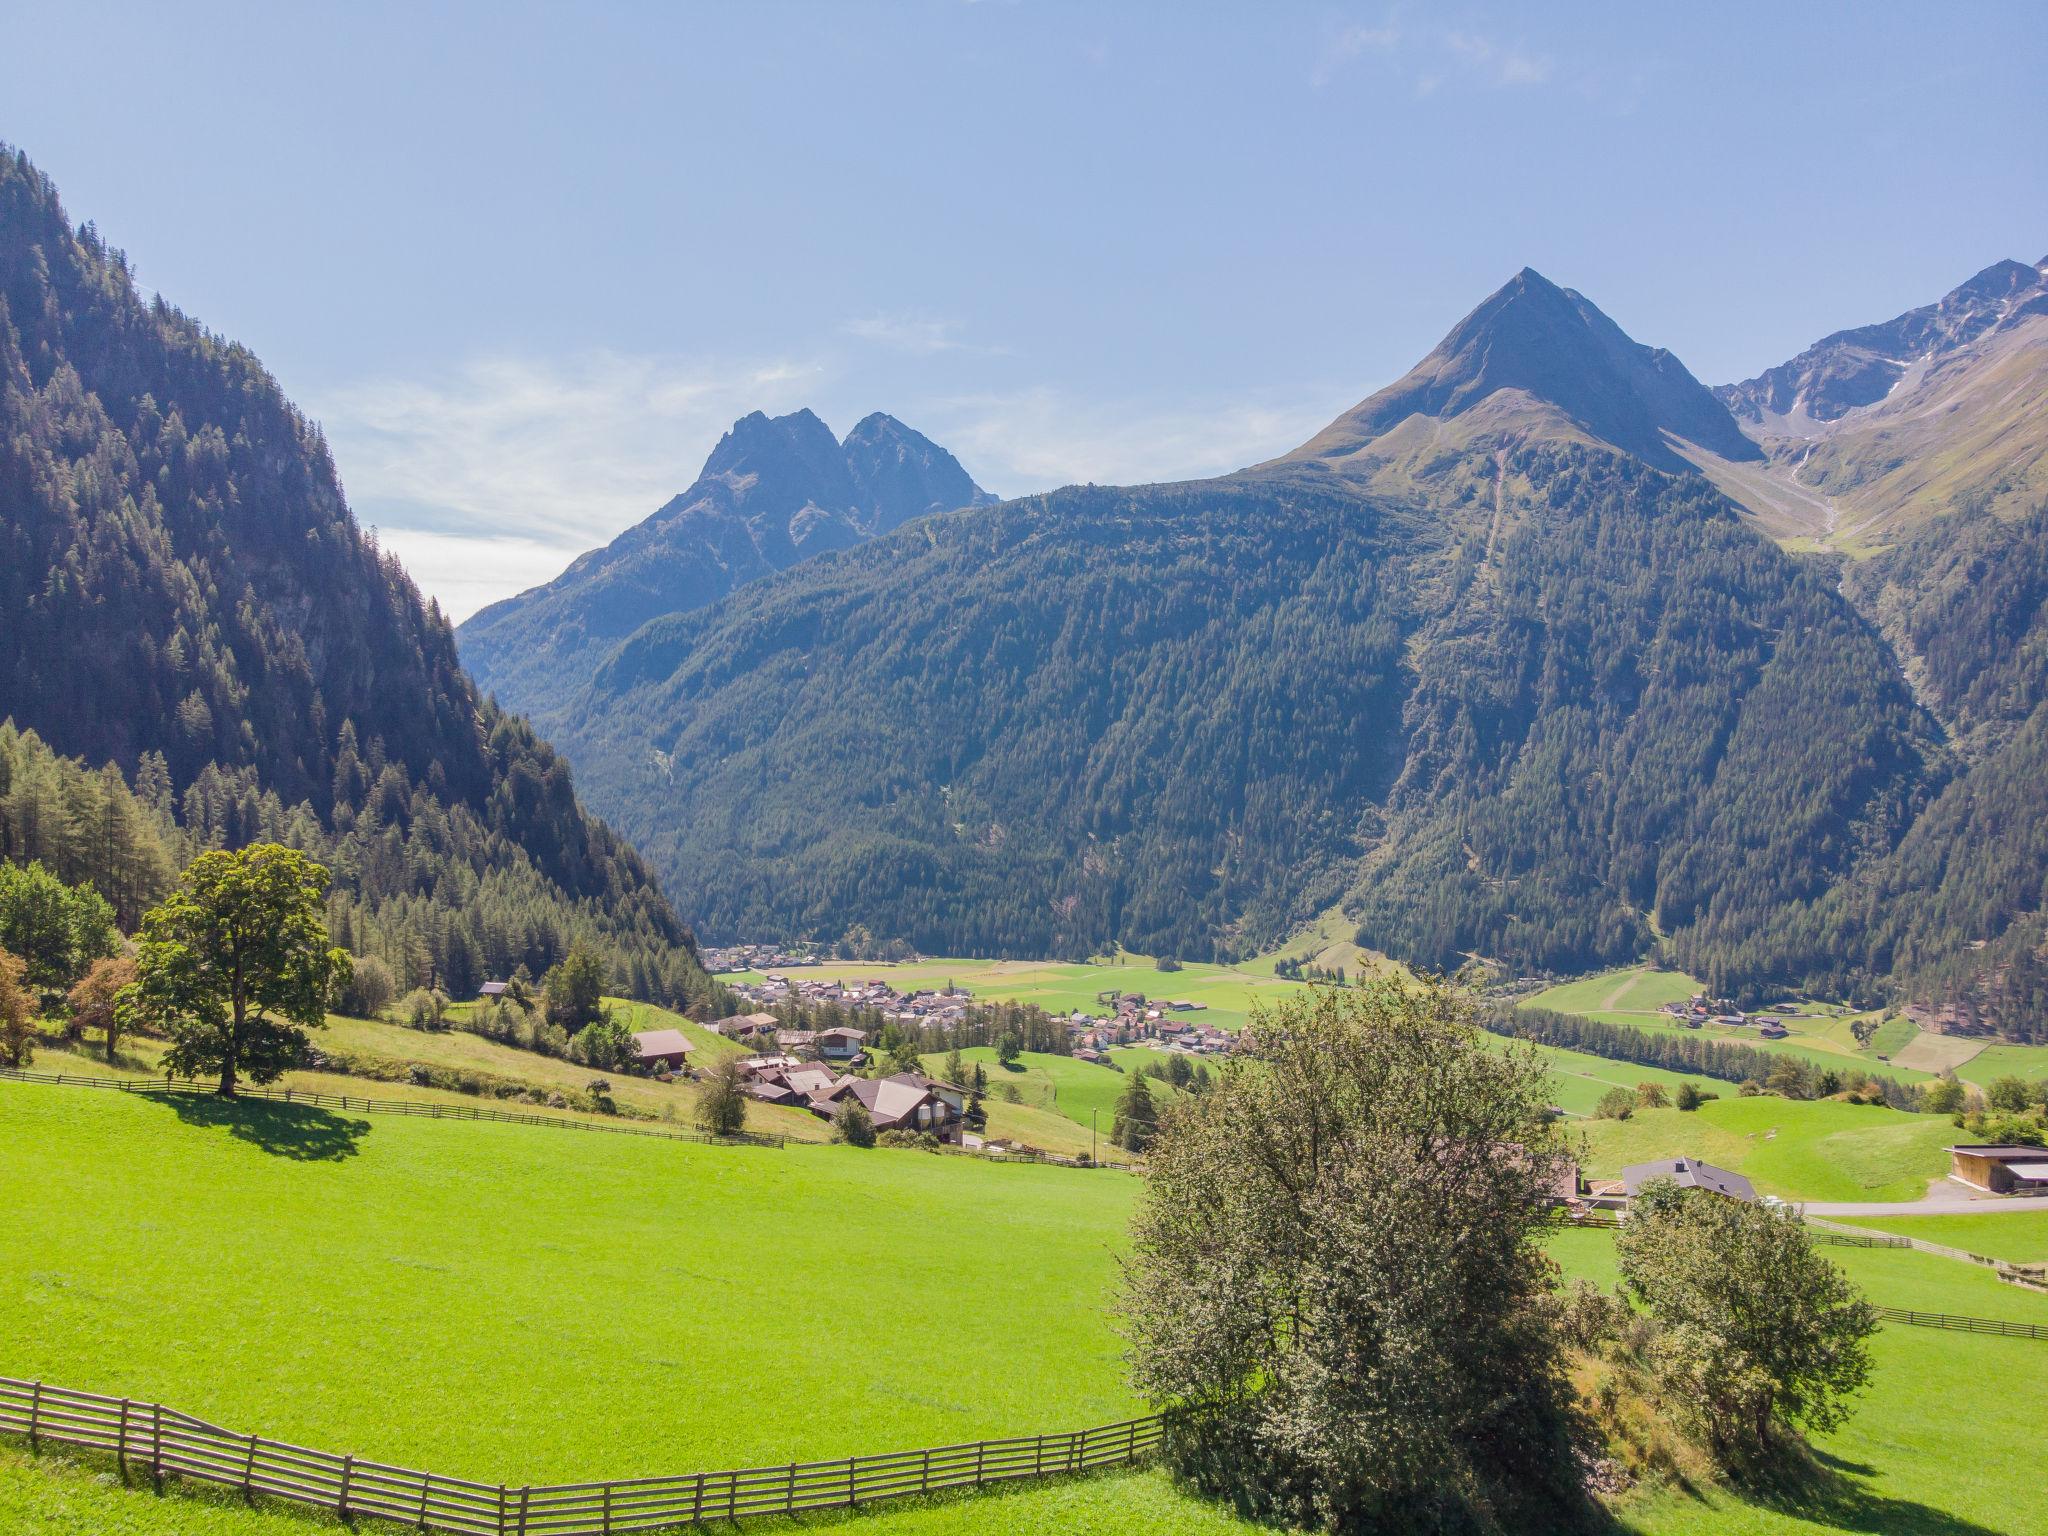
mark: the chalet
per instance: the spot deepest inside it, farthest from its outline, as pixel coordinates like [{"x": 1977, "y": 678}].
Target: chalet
[
  {"x": 1771, "y": 1029},
  {"x": 902, "y": 1101},
  {"x": 751, "y": 1024},
  {"x": 2007, "y": 1170},
  {"x": 494, "y": 989},
  {"x": 1687, "y": 1173},
  {"x": 662, "y": 1048},
  {"x": 841, "y": 1044},
  {"x": 790, "y": 1041}
]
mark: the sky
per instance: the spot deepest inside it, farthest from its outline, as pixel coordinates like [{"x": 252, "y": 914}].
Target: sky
[{"x": 525, "y": 263}]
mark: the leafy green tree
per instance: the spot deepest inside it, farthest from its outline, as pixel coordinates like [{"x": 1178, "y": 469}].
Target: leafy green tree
[
  {"x": 2008, "y": 1094},
  {"x": 56, "y": 929},
  {"x": 607, "y": 1044},
  {"x": 1616, "y": 1103},
  {"x": 1687, "y": 1097},
  {"x": 722, "y": 1099},
  {"x": 1339, "y": 1250},
  {"x": 1755, "y": 1328},
  {"x": 852, "y": 1124},
  {"x": 1008, "y": 1049},
  {"x": 574, "y": 990},
  {"x": 17, "y": 1013},
  {"x": 903, "y": 1057},
  {"x": 1137, "y": 1118},
  {"x": 95, "y": 999},
  {"x": 369, "y": 991},
  {"x": 1943, "y": 1096},
  {"x": 1651, "y": 1096},
  {"x": 235, "y": 965}
]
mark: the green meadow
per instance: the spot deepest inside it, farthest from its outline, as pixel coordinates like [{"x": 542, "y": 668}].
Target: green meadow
[
  {"x": 2018, "y": 1237},
  {"x": 503, "y": 1302},
  {"x": 1818, "y": 1149},
  {"x": 1819, "y": 1031}
]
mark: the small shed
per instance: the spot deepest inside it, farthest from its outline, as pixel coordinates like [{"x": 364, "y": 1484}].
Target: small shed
[
  {"x": 493, "y": 989},
  {"x": 2001, "y": 1170}
]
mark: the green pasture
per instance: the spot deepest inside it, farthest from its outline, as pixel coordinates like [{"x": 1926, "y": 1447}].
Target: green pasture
[
  {"x": 499, "y": 1302},
  {"x": 1819, "y": 1149},
  {"x": 2018, "y": 1237},
  {"x": 1069, "y": 1088}
]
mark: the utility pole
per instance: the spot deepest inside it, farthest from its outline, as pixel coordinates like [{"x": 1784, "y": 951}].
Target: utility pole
[{"x": 1091, "y": 1136}]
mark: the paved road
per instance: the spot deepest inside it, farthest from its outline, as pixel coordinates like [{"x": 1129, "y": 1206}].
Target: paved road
[{"x": 1944, "y": 1197}]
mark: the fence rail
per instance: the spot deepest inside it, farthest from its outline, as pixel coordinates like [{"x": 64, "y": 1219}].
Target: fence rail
[
  {"x": 167, "y": 1443},
  {"x": 421, "y": 1108},
  {"x": 1962, "y": 1324}
]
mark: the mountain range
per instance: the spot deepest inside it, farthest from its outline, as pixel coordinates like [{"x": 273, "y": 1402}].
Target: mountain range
[{"x": 1546, "y": 653}]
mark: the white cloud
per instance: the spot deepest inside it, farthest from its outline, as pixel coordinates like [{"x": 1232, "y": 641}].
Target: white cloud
[
  {"x": 919, "y": 334},
  {"x": 1348, "y": 44},
  {"x": 524, "y": 465},
  {"x": 1496, "y": 62}
]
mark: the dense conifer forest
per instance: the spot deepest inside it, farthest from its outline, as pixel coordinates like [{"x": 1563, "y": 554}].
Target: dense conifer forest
[{"x": 208, "y": 650}]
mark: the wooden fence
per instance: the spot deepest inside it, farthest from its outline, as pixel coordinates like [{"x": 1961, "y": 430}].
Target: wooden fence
[
  {"x": 417, "y": 1107},
  {"x": 1962, "y": 1324},
  {"x": 167, "y": 1443}
]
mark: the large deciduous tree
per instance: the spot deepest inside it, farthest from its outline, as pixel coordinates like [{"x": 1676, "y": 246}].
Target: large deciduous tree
[
  {"x": 1755, "y": 1327},
  {"x": 96, "y": 1001},
  {"x": 56, "y": 929},
  {"x": 1336, "y": 1272},
  {"x": 235, "y": 965}
]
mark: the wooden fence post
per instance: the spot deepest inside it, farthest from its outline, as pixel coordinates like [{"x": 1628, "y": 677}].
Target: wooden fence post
[
  {"x": 426, "y": 1482},
  {"x": 156, "y": 1445},
  {"x": 789, "y": 1498},
  {"x": 1038, "y": 1458},
  {"x": 925, "y": 1483},
  {"x": 852, "y": 1495},
  {"x": 606, "y": 1509},
  {"x": 697, "y": 1513},
  {"x": 348, "y": 1467},
  {"x": 35, "y": 1402},
  {"x": 249, "y": 1473},
  {"x": 501, "y": 1509},
  {"x": 980, "y": 1451},
  {"x": 525, "y": 1498},
  {"x": 121, "y": 1441}
]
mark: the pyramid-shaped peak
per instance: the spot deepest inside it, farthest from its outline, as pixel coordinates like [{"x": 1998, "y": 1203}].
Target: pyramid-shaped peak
[{"x": 1543, "y": 360}]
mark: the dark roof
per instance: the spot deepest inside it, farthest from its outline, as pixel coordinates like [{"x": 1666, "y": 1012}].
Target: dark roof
[
  {"x": 661, "y": 1042},
  {"x": 2004, "y": 1153},
  {"x": 1689, "y": 1173}
]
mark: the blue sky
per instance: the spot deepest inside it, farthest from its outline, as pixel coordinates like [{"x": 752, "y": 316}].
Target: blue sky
[{"x": 526, "y": 263}]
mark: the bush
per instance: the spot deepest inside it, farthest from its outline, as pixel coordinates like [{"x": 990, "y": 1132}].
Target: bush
[
  {"x": 1615, "y": 1104},
  {"x": 852, "y": 1124},
  {"x": 922, "y": 1140},
  {"x": 368, "y": 991},
  {"x": 1688, "y": 1097},
  {"x": 422, "y": 1008}
]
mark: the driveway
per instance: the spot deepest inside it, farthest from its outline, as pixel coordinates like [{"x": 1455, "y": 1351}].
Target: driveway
[{"x": 1944, "y": 1197}]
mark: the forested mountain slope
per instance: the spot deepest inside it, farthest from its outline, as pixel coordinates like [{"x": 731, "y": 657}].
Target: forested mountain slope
[
  {"x": 1526, "y": 697},
  {"x": 773, "y": 492},
  {"x": 188, "y": 598}
]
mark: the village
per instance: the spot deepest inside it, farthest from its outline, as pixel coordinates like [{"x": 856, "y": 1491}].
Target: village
[{"x": 1700, "y": 1010}]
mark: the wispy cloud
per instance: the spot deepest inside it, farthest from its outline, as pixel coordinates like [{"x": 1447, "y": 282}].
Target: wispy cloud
[
  {"x": 1432, "y": 57},
  {"x": 1348, "y": 44},
  {"x": 1039, "y": 438},
  {"x": 918, "y": 334},
  {"x": 498, "y": 474}
]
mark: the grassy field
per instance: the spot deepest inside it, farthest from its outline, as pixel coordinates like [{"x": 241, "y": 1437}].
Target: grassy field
[
  {"x": 624, "y": 1306},
  {"x": 457, "y": 1051},
  {"x": 1229, "y": 993},
  {"x": 618, "y": 1302},
  {"x": 1070, "y": 1088},
  {"x": 2018, "y": 1237},
  {"x": 1820, "y": 1149},
  {"x": 1819, "y": 1031}
]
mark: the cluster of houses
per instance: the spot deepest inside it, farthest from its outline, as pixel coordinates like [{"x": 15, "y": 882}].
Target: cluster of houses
[
  {"x": 902, "y": 1101},
  {"x": 1700, "y": 1010},
  {"x": 1127, "y": 1018},
  {"x": 1132, "y": 1019},
  {"x": 757, "y": 957}
]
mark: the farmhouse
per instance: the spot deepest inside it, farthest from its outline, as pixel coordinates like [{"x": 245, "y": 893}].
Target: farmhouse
[
  {"x": 1687, "y": 1173},
  {"x": 902, "y": 1101},
  {"x": 493, "y": 989},
  {"x": 2001, "y": 1170},
  {"x": 842, "y": 1044},
  {"x": 662, "y": 1048}
]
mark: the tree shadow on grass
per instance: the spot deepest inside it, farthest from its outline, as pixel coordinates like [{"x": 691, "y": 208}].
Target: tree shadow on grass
[
  {"x": 1819, "y": 1488},
  {"x": 302, "y": 1132}
]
